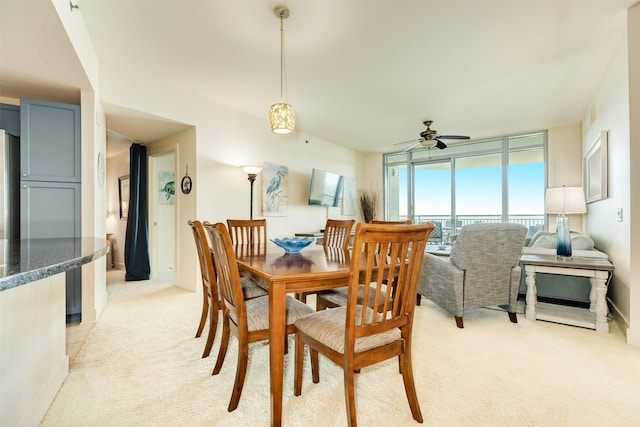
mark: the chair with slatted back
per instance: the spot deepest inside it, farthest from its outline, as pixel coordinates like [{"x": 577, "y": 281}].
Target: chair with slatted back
[
  {"x": 356, "y": 336},
  {"x": 211, "y": 304},
  {"x": 210, "y": 299},
  {"x": 248, "y": 232},
  {"x": 248, "y": 320},
  {"x": 338, "y": 297},
  {"x": 337, "y": 234}
]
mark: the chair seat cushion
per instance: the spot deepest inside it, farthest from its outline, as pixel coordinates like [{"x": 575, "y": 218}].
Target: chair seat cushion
[
  {"x": 258, "y": 312},
  {"x": 328, "y": 327},
  {"x": 338, "y": 296},
  {"x": 250, "y": 289}
]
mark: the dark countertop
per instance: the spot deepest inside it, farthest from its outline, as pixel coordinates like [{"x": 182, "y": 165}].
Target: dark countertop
[{"x": 25, "y": 261}]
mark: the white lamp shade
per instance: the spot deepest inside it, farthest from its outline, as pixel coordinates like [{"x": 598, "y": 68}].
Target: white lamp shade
[
  {"x": 282, "y": 118},
  {"x": 565, "y": 200},
  {"x": 252, "y": 170}
]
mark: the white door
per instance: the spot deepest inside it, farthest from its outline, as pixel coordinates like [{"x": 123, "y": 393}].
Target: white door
[{"x": 162, "y": 201}]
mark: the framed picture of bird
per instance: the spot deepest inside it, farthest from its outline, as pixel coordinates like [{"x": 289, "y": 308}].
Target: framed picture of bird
[{"x": 275, "y": 190}]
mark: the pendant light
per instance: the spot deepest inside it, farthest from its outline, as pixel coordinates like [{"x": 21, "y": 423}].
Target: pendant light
[{"x": 281, "y": 115}]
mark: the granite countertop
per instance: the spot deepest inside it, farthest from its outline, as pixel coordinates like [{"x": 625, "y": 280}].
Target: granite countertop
[{"x": 28, "y": 260}]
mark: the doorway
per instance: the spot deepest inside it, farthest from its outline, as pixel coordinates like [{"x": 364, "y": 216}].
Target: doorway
[{"x": 162, "y": 203}]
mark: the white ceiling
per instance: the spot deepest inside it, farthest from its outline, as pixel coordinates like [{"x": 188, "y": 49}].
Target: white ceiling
[{"x": 363, "y": 74}]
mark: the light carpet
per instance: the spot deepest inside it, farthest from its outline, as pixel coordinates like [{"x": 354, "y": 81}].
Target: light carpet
[{"x": 142, "y": 366}]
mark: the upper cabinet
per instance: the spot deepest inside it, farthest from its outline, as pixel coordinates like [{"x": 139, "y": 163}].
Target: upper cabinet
[{"x": 50, "y": 141}]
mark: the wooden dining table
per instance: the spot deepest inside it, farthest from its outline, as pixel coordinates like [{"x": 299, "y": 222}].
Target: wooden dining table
[{"x": 313, "y": 269}]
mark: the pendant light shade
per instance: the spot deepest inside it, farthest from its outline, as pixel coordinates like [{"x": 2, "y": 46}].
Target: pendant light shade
[
  {"x": 282, "y": 118},
  {"x": 281, "y": 115}
]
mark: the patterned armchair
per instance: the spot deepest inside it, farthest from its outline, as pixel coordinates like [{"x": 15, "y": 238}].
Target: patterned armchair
[{"x": 482, "y": 270}]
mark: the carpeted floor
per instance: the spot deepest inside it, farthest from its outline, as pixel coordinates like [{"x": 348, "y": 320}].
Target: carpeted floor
[{"x": 141, "y": 366}]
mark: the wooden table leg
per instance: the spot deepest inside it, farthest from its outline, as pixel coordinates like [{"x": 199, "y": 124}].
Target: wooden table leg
[{"x": 277, "y": 316}]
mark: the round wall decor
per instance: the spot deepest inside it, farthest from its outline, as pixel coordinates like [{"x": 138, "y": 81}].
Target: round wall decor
[{"x": 186, "y": 184}]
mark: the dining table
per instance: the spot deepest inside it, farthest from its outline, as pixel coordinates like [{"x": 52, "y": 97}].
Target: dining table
[{"x": 313, "y": 269}]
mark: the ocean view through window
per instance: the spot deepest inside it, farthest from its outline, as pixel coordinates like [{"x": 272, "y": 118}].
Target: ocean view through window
[{"x": 497, "y": 180}]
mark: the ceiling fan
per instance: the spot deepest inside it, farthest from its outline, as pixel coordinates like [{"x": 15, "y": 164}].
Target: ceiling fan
[{"x": 430, "y": 138}]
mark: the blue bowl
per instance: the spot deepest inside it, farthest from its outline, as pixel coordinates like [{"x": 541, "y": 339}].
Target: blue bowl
[{"x": 294, "y": 244}]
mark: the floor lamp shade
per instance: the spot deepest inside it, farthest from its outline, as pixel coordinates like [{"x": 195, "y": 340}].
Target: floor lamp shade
[{"x": 561, "y": 201}]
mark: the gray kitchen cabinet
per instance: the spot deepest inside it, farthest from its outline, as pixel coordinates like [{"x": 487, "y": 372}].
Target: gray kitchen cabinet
[
  {"x": 50, "y": 141},
  {"x": 50, "y": 175}
]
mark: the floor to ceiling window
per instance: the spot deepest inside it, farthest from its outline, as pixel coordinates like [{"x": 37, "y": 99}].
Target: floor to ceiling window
[{"x": 496, "y": 180}]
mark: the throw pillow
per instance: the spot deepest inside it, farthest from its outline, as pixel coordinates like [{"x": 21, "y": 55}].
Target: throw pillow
[
  {"x": 539, "y": 234},
  {"x": 547, "y": 240}
]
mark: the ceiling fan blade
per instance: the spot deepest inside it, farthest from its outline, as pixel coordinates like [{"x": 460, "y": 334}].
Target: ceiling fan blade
[
  {"x": 453, "y": 137},
  {"x": 441, "y": 145},
  {"x": 412, "y": 146},
  {"x": 411, "y": 140}
]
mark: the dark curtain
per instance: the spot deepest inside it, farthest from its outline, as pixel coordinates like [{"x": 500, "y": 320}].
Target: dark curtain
[{"x": 136, "y": 243}]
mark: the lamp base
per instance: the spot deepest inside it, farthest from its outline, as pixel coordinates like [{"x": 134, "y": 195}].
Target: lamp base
[{"x": 563, "y": 248}]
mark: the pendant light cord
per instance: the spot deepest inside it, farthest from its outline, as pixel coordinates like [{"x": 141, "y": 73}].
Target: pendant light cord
[{"x": 281, "y": 58}]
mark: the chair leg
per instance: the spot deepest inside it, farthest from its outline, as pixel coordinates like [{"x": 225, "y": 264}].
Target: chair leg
[
  {"x": 459, "y": 322},
  {"x": 409, "y": 386},
  {"x": 349, "y": 396},
  {"x": 315, "y": 366},
  {"x": 241, "y": 372},
  {"x": 418, "y": 299},
  {"x": 213, "y": 327},
  {"x": 512, "y": 317},
  {"x": 298, "y": 365},
  {"x": 205, "y": 310},
  {"x": 224, "y": 344}
]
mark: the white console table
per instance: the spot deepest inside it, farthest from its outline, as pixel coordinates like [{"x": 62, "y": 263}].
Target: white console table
[{"x": 597, "y": 270}]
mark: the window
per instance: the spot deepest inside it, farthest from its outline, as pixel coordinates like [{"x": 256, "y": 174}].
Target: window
[{"x": 496, "y": 180}]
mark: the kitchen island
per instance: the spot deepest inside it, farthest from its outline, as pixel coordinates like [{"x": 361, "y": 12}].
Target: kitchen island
[{"x": 33, "y": 360}]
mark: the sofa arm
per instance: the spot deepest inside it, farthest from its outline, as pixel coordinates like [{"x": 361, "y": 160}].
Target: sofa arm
[{"x": 442, "y": 282}]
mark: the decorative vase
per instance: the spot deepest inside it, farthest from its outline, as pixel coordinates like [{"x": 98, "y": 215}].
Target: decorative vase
[{"x": 564, "y": 237}]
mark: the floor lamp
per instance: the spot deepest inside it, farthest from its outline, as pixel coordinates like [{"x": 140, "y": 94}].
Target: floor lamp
[
  {"x": 562, "y": 201},
  {"x": 252, "y": 172}
]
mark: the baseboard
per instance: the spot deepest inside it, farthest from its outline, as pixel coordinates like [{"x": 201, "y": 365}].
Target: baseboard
[{"x": 618, "y": 317}]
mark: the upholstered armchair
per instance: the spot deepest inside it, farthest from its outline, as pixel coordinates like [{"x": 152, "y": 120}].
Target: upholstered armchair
[{"x": 481, "y": 271}]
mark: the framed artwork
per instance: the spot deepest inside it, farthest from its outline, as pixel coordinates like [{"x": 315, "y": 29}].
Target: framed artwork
[
  {"x": 595, "y": 169},
  {"x": 167, "y": 185},
  {"x": 123, "y": 195},
  {"x": 349, "y": 196},
  {"x": 275, "y": 190}
]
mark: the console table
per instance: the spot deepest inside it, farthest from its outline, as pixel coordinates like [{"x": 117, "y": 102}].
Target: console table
[{"x": 597, "y": 270}]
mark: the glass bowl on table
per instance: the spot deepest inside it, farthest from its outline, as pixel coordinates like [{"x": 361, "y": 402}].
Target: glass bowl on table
[{"x": 293, "y": 245}]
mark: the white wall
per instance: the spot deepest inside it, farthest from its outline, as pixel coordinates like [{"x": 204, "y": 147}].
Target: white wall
[
  {"x": 612, "y": 114},
  {"x": 564, "y": 166}
]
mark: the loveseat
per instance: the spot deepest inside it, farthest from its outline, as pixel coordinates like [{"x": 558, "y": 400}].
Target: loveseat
[{"x": 573, "y": 290}]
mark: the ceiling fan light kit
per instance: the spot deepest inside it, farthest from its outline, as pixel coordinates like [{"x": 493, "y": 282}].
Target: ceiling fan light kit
[{"x": 281, "y": 115}]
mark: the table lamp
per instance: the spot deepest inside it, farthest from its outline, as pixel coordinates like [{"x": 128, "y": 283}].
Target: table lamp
[{"x": 562, "y": 201}]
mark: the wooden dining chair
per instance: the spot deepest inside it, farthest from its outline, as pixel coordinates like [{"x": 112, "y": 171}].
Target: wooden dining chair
[
  {"x": 338, "y": 297},
  {"x": 251, "y": 232},
  {"x": 356, "y": 336},
  {"x": 210, "y": 299},
  {"x": 337, "y": 235},
  {"x": 248, "y": 320},
  {"x": 210, "y": 296}
]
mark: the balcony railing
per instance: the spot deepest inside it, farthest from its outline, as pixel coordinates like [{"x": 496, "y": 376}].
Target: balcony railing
[{"x": 444, "y": 231}]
